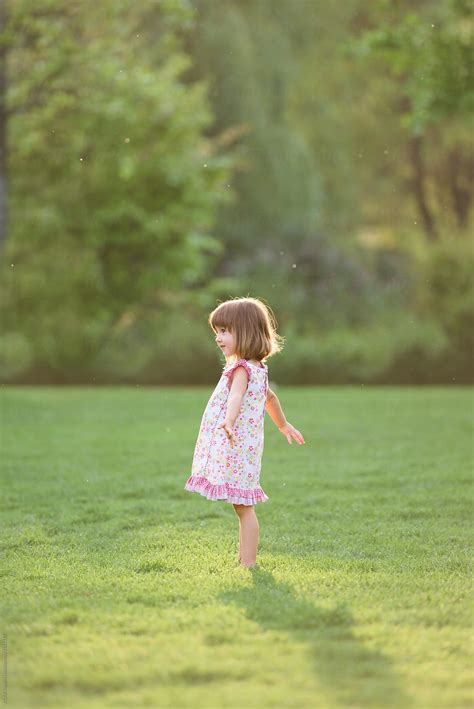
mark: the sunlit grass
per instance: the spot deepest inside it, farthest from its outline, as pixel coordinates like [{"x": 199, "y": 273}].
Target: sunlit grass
[{"x": 122, "y": 589}]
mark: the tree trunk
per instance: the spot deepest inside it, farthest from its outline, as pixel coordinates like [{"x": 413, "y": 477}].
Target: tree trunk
[
  {"x": 460, "y": 196},
  {"x": 416, "y": 159},
  {"x": 3, "y": 129}
]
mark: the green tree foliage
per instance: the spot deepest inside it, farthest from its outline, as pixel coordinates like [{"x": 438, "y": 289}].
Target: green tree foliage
[
  {"x": 113, "y": 184},
  {"x": 250, "y": 63}
]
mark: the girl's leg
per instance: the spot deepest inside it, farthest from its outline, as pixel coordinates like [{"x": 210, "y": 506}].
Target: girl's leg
[
  {"x": 249, "y": 534},
  {"x": 240, "y": 535},
  {"x": 240, "y": 541}
]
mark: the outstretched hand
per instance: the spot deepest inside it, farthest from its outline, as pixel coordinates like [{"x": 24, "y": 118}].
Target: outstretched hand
[
  {"x": 291, "y": 432},
  {"x": 228, "y": 432}
]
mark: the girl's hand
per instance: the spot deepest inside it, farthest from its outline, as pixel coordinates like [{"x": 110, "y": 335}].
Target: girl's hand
[
  {"x": 290, "y": 432},
  {"x": 228, "y": 432}
]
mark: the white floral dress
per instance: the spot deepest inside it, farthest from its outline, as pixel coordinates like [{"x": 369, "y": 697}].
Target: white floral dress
[{"x": 222, "y": 472}]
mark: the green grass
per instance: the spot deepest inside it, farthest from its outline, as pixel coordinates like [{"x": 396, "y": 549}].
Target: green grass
[{"x": 121, "y": 589}]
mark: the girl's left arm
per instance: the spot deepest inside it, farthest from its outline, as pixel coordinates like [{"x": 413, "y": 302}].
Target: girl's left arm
[{"x": 273, "y": 407}]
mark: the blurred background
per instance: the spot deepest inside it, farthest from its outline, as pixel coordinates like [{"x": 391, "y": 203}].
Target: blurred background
[{"x": 161, "y": 156}]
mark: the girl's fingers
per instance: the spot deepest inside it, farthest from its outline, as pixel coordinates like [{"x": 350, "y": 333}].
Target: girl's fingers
[
  {"x": 230, "y": 437},
  {"x": 228, "y": 433},
  {"x": 298, "y": 437}
]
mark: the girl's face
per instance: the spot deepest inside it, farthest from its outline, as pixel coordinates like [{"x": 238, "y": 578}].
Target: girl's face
[{"x": 225, "y": 340}]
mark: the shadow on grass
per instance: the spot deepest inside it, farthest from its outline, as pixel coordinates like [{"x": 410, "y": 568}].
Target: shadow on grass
[{"x": 352, "y": 673}]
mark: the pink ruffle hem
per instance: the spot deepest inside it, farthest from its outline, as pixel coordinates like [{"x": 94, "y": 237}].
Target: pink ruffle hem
[{"x": 234, "y": 495}]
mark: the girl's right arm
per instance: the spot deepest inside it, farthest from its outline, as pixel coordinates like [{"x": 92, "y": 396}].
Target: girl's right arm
[{"x": 278, "y": 417}]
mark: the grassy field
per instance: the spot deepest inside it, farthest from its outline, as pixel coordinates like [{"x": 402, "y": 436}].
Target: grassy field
[{"x": 121, "y": 589}]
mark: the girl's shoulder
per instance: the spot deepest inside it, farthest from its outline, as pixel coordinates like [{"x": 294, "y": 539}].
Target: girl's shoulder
[{"x": 255, "y": 372}]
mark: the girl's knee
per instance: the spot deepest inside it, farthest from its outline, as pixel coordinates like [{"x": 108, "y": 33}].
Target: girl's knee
[{"x": 240, "y": 510}]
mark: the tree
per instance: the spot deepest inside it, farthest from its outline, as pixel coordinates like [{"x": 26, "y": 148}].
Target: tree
[
  {"x": 113, "y": 184},
  {"x": 429, "y": 55}
]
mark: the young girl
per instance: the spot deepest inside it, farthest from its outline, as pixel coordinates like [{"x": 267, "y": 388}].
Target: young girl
[{"x": 228, "y": 452}]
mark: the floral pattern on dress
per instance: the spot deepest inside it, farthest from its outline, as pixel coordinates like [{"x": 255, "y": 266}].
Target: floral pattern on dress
[{"x": 222, "y": 472}]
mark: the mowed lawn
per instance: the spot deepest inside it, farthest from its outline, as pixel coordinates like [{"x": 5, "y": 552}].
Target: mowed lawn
[{"x": 121, "y": 589}]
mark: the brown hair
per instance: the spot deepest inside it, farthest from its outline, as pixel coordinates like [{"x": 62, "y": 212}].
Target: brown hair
[{"x": 253, "y": 325}]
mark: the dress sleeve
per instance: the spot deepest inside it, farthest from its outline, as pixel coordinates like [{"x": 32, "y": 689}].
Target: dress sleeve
[{"x": 239, "y": 363}]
